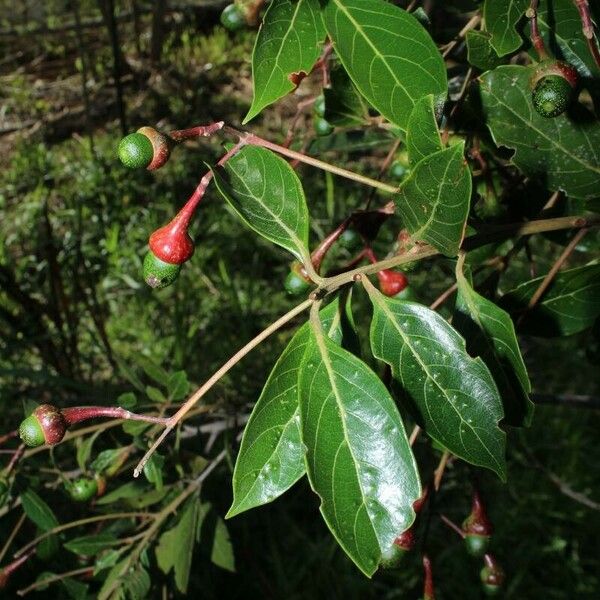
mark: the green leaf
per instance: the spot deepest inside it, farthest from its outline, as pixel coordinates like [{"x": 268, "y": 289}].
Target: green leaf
[
  {"x": 388, "y": 54},
  {"x": 501, "y": 18},
  {"x": 287, "y": 46},
  {"x": 84, "y": 450},
  {"x": 155, "y": 394},
  {"x": 267, "y": 195},
  {"x": 178, "y": 385},
  {"x": 38, "y": 511},
  {"x": 131, "y": 489},
  {"x": 453, "y": 395},
  {"x": 222, "y": 549},
  {"x": 422, "y": 135},
  {"x": 127, "y": 400},
  {"x": 344, "y": 106},
  {"x": 434, "y": 200},
  {"x": 176, "y": 546},
  {"x": 358, "y": 458},
  {"x": 90, "y": 545},
  {"x": 152, "y": 369},
  {"x": 570, "y": 304},
  {"x": 480, "y": 52},
  {"x": 153, "y": 470},
  {"x": 564, "y": 153},
  {"x": 490, "y": 334},
  {"x": 560, "y": 27},
  {"x": 271, "y": 457},
  {"x": 75, "y": 589},
  {"x": 105, "y": 459}
]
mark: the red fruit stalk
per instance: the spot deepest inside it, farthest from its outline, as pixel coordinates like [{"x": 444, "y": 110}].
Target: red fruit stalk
[
  {"x": 172, "y": 243},
  {"x": 477, "y": 522},
  {"x": 428, "y": 589},
  {"x": 390, "y": 282},
  {"x": 7, "y": 571},
  {"x": 77, "y": 414},
  {"x": 195, "y": 132}
]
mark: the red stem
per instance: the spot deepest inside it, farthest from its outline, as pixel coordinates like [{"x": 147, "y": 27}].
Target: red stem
[
  {"x": 16, "y": 457},
  {"x": 13, "y": 566},
  {"x": 320, "y": 252},
  {"x": 588, "y": 29},
  {"x": 536, "y": 38},
  {"x": 452, "y": 526},
  {"x": 77, "y": 414},
  {"x": 193, "y": 132},
  {"x": 428, "y": 590},
  {"x": 8, "y": 436}
]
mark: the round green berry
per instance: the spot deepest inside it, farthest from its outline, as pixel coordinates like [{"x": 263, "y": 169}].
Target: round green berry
[
  {"x": 31, "y": 432},
  {"x": 319, "y": 106},
  {"x": 398, "y": 170},
  {"x": 350, "y": 239},
  {"x": 232, "y": 18},
  {"x": 476, "y": 544},
  {"x": 136, "y": 151},
  {"x": 323, "y": 127},
  {"x": 295, "y": 284},
  {"x": 82, "y": 490},
  {"x": 551, "y": 95},
  {"x": 159, "y": 274}
]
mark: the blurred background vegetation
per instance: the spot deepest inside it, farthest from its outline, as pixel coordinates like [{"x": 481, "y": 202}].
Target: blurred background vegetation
[{"x": 78, "y": 325}]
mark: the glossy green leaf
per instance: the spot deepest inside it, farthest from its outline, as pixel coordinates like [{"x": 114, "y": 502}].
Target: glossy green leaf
[
  {"x": 90, "y": 545},
  {"x": 560, "y": 27},
  {"x": 453, "y": 395},
  {"x": 153, "y": 470},
  {"x": 570, "y": 304},
  {"x": 563, "y": 152},
  {"x": 388, "y": 54},
  {"x": 38, "y": 511},
  {"x": 155, "y": 394},
  {"x": 176, "y": 546},
  {"x": 222, "y": 549},
  {"x": 490, "y": 334},
  {"x": 271, "y": 457},
  {"x": 178, "y": 385},
  {"x": 267, "y": 195},
  {"x": 287, "y": 46},
  {"x": 131, "y": 489},
  {"x": 422, "y": 134},
  {"x": 434, "y": 200},
  {"x": 501, "y": 18},
  {"x": 358, "y": 458},
  {"x": 344, "y": 106},
  {"x": 480, "y": 52}
]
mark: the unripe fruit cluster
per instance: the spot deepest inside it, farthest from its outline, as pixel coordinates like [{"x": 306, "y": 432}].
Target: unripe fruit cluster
[
  {"x": 321, "y": 125},
  {"x": 147, "y": 148}
]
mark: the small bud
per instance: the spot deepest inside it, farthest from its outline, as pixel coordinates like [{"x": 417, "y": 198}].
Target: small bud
[
  {"x": 159, "y": 274},
  {"x": 45, "y": 425},
  {"x": 492, "y": 576},
  {"x": 232, "y": 18},
  {"x": 322, "y": 127},
  {"x": 100, "y": 485},
  {"x": 297, "y": 281},
  {"x": 82, "y": 489},
  {"x": 319, "y": 106},
  {"x": 350, "y": 239}
]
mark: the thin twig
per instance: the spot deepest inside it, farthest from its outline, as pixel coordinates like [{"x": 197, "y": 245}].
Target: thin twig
[
  {"x": 188, "y": 405},
  {"x": 439, "y": 471},
  {"x": 54, "y": 578},
  {"x": 12, "y": 535}
]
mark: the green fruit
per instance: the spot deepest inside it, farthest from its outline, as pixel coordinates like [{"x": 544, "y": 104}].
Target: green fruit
[
  {"x": 323, "y": 127},
  {"x": 491, "y": 590},
  {"x": 82, "y": 490},
  {"x": 392, "y": 558},
  {"x": 232, "y": 18},
  {"x": 398, "y": 170},
  {"x": 295, "y": 284},
  {"x": 551, "y": 95},
  {"x": 31, "y": 432},
  {"x": 319, "y": 106},
  {"x": 159, "y": 274},
  {"x": 350, "y": 239},
  {"x": 476, "y": 544},
  {"x": 407, "y": 293},
  {"x": 136, "y": 151}
]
